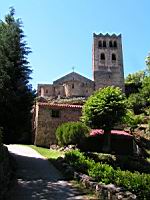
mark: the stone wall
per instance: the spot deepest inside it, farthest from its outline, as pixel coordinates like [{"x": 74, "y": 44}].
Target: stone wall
[
  {"x": 49, "y": 117},
  {"x": 71, "y": 85}
]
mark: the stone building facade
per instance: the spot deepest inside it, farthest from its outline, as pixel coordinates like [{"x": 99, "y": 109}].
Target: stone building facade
[
  {"x": 71, "y": 85},
  {"x": 48, "y": 117},
  {"x": 107, "y": 63}
]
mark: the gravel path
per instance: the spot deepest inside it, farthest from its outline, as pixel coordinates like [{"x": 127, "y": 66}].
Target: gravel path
[{"x": 38, "y": 179}]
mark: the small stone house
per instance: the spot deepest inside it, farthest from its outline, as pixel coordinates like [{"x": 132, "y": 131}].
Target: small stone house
[{"x": 48, "y": 117}]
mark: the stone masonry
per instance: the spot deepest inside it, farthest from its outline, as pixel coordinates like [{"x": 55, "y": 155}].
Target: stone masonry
[
  {"x": 107, "y": 61},
  {"x": 49, "y": 117},
  {"x": 70, "y": 85},
  {"x": 107, "y": 64}
]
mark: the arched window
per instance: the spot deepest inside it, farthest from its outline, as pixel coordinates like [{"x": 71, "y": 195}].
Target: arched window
[
  {"x": 110, "y": 44},
  {"x": 100, "y": 44},
  {"x": 113, "y": 57},
  {"x": 104, "y": 43},
  {"x": 115, "y": 44},
  {"x": 72, "y": 86},
  {"x": 102, "y": 56}
]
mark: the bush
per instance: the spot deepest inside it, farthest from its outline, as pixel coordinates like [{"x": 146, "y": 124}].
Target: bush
[
  {"x": 102, "y": 173},
  {"x": 71, "y": 133},
  {"x": 137, "y": 183},
  {"x": 78, "y": 161}
]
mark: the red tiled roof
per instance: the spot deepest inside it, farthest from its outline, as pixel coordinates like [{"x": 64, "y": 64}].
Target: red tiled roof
[
  {"x": 113, "y": 132},
  {"x": 52, "y": 105}
]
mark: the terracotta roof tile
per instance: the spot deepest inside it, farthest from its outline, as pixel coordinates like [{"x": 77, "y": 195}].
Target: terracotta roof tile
[
  {"x": 113, "y": 132},
  {"x": 59, "y": 105}
]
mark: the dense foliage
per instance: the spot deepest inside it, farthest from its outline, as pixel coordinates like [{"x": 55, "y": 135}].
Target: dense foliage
[
  {"x": 135, "y": 182},
  {"x": 138, "y": 97},
  {"x": 138, "y": 88},
  {"x": 16, "y": 94},
  {"x": 104, "y": 108},
  {"x": 71, "y": 133}
]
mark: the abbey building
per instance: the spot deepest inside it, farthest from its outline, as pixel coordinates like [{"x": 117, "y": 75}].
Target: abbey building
[
  {"x": 50, "y": 111},
  {"x": 107, "y": 67}
]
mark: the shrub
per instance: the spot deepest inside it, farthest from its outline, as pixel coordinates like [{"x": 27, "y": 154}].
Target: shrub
[
  {"x": 71, "y": 133},
  {"x": 135, "y": 182},
  {"x": 102, "y": 173},
  {"x": 78, "y": 161}
]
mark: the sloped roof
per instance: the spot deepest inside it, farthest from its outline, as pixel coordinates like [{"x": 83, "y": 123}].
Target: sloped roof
[
  {"x": 52, "y": 105},
  {"x": 72, "y": 76},
  {"x": 113, "y": 132}
]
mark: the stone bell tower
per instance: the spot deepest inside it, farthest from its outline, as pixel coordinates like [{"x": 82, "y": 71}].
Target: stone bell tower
[{"x": 107, "y": 61}]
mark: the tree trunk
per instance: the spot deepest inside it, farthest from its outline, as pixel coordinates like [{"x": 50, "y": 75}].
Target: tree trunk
[{"x": 107, "y": 141}]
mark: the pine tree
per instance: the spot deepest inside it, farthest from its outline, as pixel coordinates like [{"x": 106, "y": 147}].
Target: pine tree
[{"x": 16, "y": 95}]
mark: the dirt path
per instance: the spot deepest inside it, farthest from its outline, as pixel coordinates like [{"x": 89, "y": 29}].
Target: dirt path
[{"x": 38, "y": 179}]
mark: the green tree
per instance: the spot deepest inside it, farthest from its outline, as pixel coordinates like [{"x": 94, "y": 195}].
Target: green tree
[
  {"x": 104, "y": 109},
  {"x": 133, "y": 82},
  {"x": 136, "y": 102},
  {"x": 145, "y": 91},
  {"x": 132, "y": 120},
  {"x": 148, "y": 64},
  {"x": 16, "y": 94}
]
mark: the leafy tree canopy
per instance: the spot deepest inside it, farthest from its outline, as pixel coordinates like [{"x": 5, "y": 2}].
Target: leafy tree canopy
[
  {"x": 135, "y": 78},
  {"x": 104, "y": 108}
]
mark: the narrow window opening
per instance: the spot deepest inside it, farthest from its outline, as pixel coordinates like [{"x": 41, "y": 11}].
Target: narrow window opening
[
  {"x": 115, "y": 44},
  {"x": 104, "y": 43},
  {"x": 102, "y": 56},
  {"x": 46, "y": 91},
  {"x": 55, "y": 113},
  {"x": 99, "y": 44},
  {"x": 110, "y": 44},
  {"x": 72, "y": 86},
  {"x": 113, "y": 57}
]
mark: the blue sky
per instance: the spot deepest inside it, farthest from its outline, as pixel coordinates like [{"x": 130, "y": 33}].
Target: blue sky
[{"x": 60, "y": 33}]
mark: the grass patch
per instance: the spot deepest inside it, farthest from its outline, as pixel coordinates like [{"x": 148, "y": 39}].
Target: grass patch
[{"x": 48, "y": 153}]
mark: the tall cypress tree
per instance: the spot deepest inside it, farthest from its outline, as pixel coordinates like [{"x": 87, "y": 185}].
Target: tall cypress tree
[{"x": 16, "y": 95}]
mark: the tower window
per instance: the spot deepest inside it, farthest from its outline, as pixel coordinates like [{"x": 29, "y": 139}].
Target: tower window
[
  {"x": 115, "y": 44},
  {"x": 102, "y": 56},
  {"x": 100, "y": 44},
  {"x": 104, "y": 43},
  {"x": 110, "y": 44},
  {"x": 113, "y": 57},
  {"x": 72, "y": 86}
]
